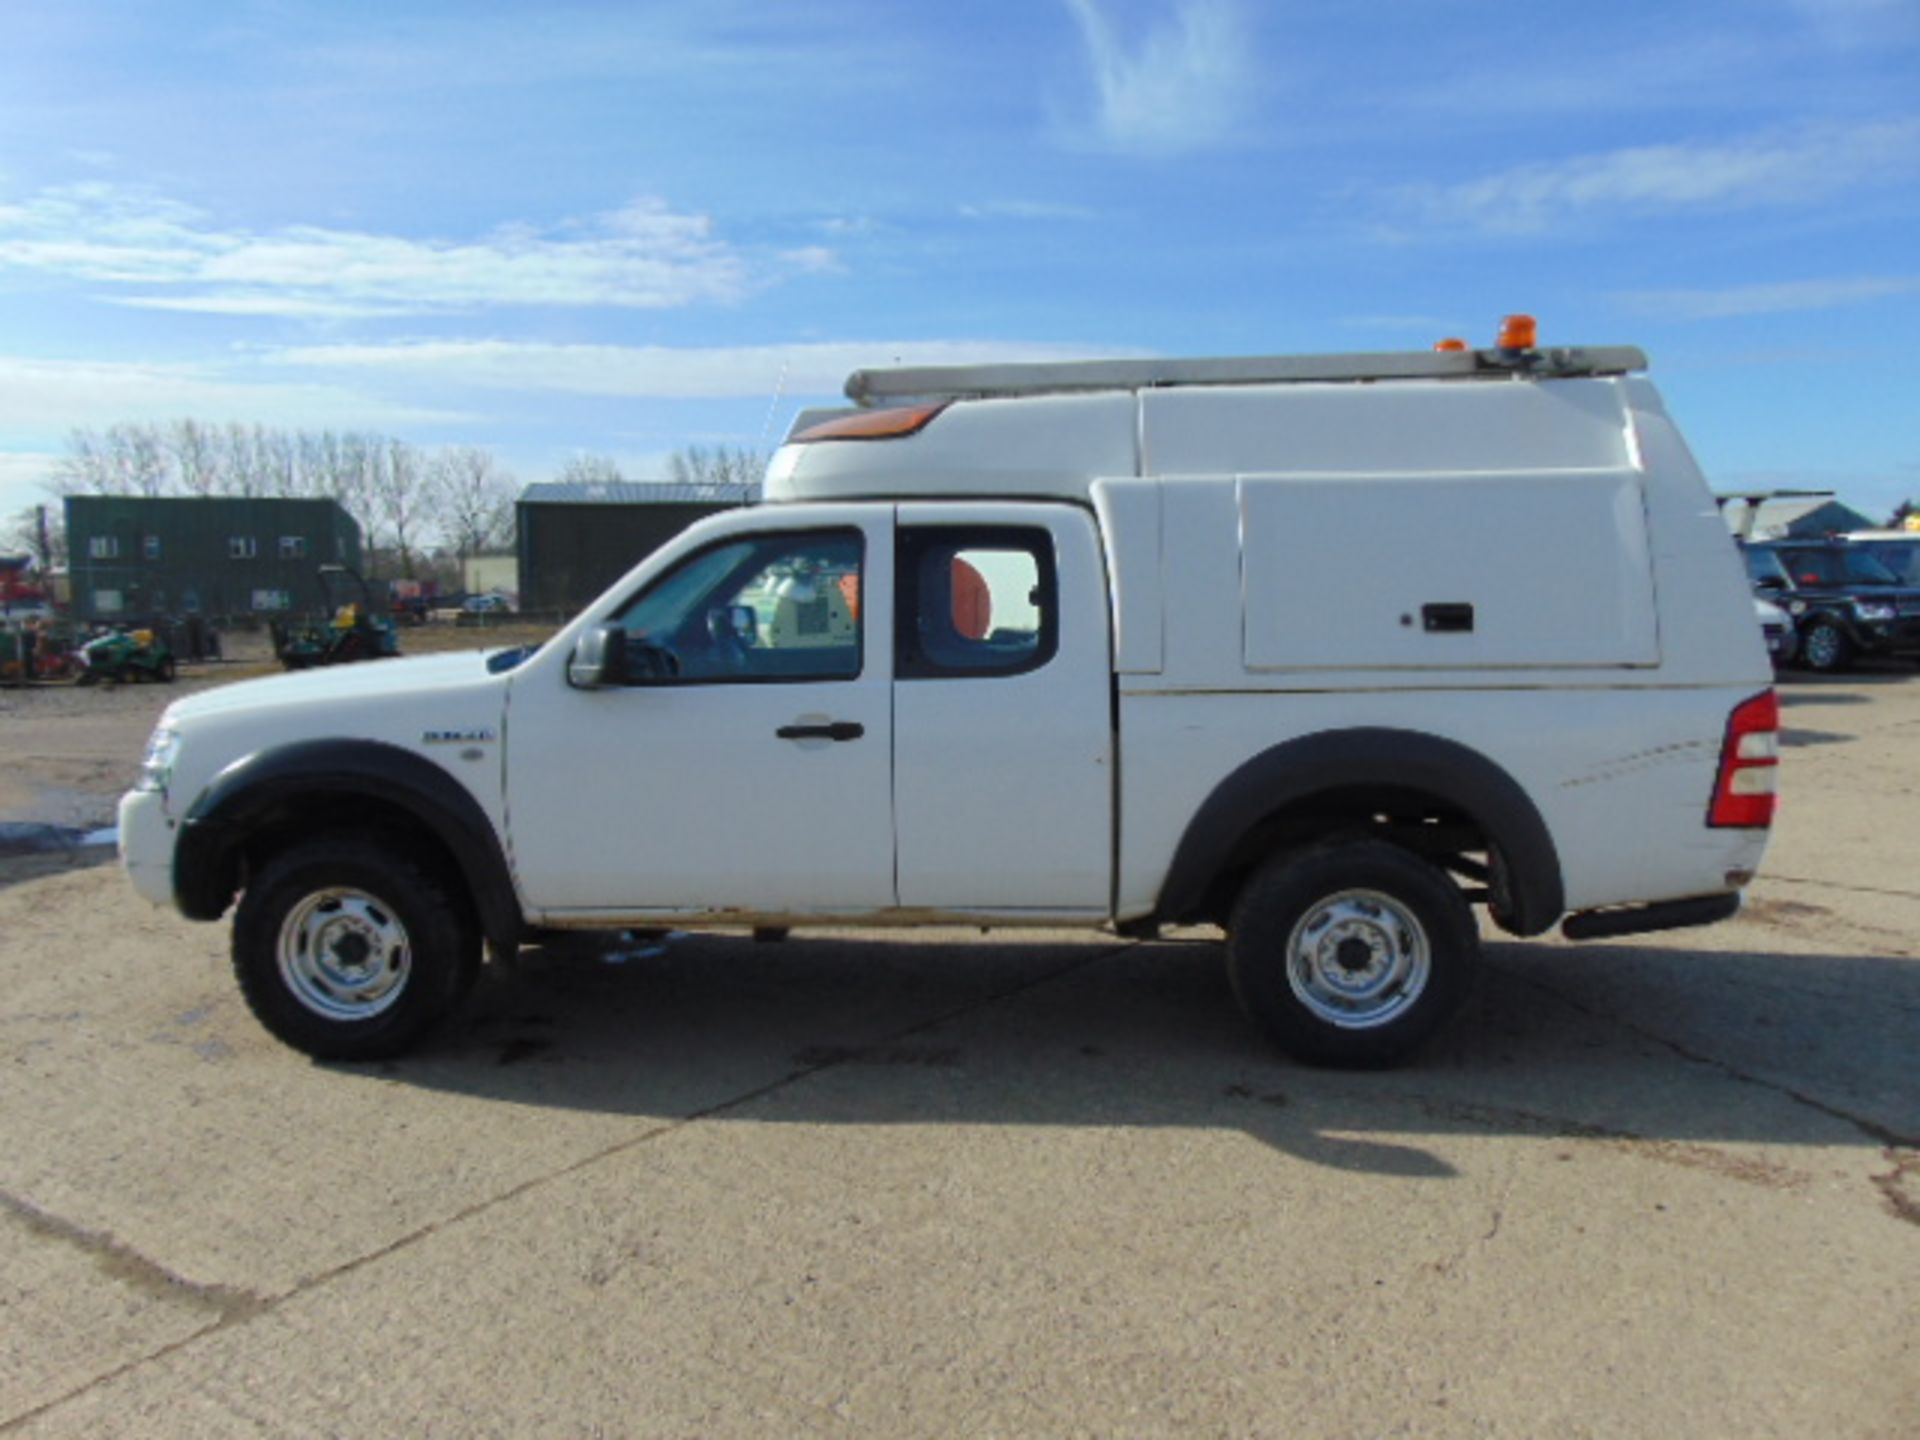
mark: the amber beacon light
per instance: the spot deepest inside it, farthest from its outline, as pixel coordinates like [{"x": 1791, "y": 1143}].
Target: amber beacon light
[{"x": 1519, "y": 332}]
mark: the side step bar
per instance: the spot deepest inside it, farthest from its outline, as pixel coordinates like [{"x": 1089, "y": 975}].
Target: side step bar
[{"x": 1639, "y": 919}]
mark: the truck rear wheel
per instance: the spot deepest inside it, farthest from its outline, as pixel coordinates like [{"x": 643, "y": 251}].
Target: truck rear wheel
[
  {"x": 1352, "y": 954},
  {"x": 348, "y": 950}
]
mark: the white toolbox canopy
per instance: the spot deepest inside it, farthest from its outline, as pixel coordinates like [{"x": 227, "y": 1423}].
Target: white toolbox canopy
[{"x": 1051, "y": 430}]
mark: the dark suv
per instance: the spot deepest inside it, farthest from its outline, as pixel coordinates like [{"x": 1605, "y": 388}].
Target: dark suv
[{"x": 1845, "y": 602}]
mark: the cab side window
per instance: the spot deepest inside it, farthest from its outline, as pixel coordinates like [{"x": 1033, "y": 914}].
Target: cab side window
[
  {"x": 974, "y": 601},
  {"x": 762, "y": 608}
]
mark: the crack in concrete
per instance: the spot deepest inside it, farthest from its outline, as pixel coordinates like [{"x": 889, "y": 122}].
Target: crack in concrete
[
  {"x": 1671, "y": 1152},
  {"x": 1899, "y": 1148},
  {"x": 1773, "y": 878},
  {"x": 1893, "y": 1186},
  {"x": 238, "y": 1307},
  {"x": 121, "y": 1262}
]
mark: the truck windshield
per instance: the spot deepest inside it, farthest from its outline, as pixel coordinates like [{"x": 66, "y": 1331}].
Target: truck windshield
[{"x": 1837, "y": 567}]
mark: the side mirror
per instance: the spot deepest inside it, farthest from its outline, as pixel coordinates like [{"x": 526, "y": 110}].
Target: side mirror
[
  {"x": 746, "y": 623},
  {"x": 599, "y": 660}
]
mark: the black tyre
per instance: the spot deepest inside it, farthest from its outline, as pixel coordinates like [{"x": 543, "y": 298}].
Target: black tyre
[
  {"x": 1825, "y": 648},
  {"x": 166, "y": 670},
  {"x": 348, "y": 950},
  {"x": 1351, "y": 954}
]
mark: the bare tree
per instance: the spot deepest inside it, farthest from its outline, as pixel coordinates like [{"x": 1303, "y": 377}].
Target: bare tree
[
  {"x": 195, "y": 452},
  {"x": 722, "y": 465},
  {"x": 32, "y": 532},
  {"x": 83, "y": 470},
  {"x": 472, "y": 499},
  {"x": 400, "y": 498},
  {"x": 389, "y": 489},
  {"x": 240, "y": 468},
  {"x": 591, "y": 470}
]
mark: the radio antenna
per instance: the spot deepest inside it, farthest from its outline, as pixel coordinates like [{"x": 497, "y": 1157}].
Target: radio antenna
[{"x": 779, "y": 389}]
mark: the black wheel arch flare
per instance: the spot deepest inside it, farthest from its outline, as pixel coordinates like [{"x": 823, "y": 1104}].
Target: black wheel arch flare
[
  {"x": 269, "y": 784},
  {"x": 1330, "y": 760}
]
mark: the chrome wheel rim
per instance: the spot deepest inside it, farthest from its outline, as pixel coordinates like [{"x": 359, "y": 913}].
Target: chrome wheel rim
[
  {"x": 1823, "y": 645},
  {"x": 344, "y": 954},
  {"x": 1358, "y": 959}
]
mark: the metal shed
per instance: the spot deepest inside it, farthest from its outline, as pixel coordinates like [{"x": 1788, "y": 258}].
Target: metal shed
[{"x": 576, "y": 539}]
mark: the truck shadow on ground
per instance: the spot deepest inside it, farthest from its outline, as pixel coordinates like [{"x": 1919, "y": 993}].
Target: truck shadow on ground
[
  {"x": 1809, "y": 687},
  {"x": 1665, "y": 1052}
]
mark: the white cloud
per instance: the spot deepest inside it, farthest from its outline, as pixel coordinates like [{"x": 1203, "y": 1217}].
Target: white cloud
[
  {"x": 1849, "y": 23},
  {"x": 645, "y": 255},
  {"x": 1039, "y": 210},
  {"x": 24, "y": 480},
  {"x": 38, "y": 397},
  {"x": 1776, "y": 169},
  {"x": 1771, "y": 299},
  {"x": 1175, "y": 89},
  {"x": 662, "y": 372}
]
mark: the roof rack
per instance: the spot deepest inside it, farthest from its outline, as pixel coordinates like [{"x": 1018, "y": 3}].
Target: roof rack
[{"x": 974, "y": 382}]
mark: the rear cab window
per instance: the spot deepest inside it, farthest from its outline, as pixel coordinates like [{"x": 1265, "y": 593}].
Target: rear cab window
[{"x": 974, "y": 601}]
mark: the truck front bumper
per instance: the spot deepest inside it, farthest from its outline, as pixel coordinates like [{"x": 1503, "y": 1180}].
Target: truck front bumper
[{"x": 146, "y": 844}]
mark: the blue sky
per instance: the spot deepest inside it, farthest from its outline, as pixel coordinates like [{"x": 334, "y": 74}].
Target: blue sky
[{"x": 620, "y": 228}]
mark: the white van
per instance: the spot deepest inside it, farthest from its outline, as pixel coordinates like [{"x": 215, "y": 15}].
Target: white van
[{"x": 1326, "y": 650}]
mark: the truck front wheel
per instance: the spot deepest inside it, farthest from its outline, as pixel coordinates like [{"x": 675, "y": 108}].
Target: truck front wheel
[
  {"x": 1826, "y": 648},
  {"x": 348, "y": 950},
  {"x": 1352, "y": 954}
]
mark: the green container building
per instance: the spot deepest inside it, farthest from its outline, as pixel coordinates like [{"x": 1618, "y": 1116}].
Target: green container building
[{"x": 138, "y": 558}]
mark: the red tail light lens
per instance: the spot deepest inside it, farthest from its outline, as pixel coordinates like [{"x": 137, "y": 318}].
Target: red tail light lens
[{"x": 1743, "y": 792}]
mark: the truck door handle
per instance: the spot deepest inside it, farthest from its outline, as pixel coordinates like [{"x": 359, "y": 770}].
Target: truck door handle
[
  {"x": 838, "y": 730},
  {"x": 1444, "y": 618}
]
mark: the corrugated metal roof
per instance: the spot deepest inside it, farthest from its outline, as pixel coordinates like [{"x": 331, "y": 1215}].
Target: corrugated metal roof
[{"x": 636, "y": 492}]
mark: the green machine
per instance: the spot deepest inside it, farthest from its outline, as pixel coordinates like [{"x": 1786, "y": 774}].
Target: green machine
[
  {"x": 122, "y": 655},
  {"x": 354, "y": 630}
]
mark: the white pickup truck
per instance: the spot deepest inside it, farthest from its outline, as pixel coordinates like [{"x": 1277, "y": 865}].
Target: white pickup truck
[{"x": 1326, "y": 650}]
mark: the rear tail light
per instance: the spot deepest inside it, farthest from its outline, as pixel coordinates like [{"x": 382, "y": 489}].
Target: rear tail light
[{"x": 1743, "y": 791}]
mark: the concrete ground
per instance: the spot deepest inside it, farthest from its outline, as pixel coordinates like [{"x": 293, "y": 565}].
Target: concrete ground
[{"x": 1042, "y": 1185}]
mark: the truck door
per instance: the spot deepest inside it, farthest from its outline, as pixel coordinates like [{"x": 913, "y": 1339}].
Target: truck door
[
  {"x": 746, "y": 768},
  {"x": 1003, "y": 720}
]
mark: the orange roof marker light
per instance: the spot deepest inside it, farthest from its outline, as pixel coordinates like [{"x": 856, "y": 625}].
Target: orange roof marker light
[
  {"x": 1452, "y": 345},
  {"x": 1519, "y": 332},
  {"x": 872, "y": 424}
]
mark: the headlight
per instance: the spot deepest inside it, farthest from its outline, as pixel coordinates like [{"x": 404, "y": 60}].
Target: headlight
[
  {"x": 156, "y": 769},
  {"x": 1875, "y": 610}
]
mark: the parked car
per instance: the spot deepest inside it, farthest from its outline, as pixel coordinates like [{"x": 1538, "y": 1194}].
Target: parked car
[
  {"x": 492, "y": 603},
  {"x": 1844, "y": 601},
  {"x": 1898, "y": 550},
  {"x": 1781, "y": 634},
  {"x": 1044, "y": 645}
]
